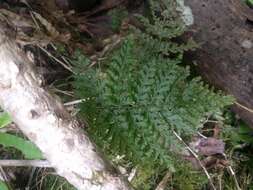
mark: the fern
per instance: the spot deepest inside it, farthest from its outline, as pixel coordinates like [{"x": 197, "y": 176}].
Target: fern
[
  {"x": 162, "y": 29},
  {"x": 142, "y": 94},
  {"x": 137, "y": 103}
]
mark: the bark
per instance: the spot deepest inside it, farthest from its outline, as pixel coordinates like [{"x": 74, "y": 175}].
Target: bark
[
  {"x": 45, "y": 122},
  {"x": 224, "y": 29}
]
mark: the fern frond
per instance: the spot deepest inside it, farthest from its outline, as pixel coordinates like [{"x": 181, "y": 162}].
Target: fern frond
[
  {"x": 134, "y": 105},
  {"x": 141, "y": 101}
]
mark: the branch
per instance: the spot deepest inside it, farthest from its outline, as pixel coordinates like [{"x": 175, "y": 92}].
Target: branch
[
  {"x": 44, "y": 120},
  {"x": 24, "y": 163},
  {"x": 163, "y": 184}
]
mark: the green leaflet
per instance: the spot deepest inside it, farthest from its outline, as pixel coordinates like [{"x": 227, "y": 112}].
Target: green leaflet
[
  {"x": 3, "y": 186},
  {"x": 5, "y": 119},
  {"x": 29, "y": 150}
]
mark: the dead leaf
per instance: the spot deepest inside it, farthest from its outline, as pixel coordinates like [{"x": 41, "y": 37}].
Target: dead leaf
[
  {"x": 25, "y": 28},
  {"x": 209, "y": 146},
  {"x": 17, "y": 21},
  {"x": 49, "y": 27}
]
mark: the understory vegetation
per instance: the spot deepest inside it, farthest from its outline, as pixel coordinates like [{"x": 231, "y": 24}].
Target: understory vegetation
[{"x": 141, "y": 100}]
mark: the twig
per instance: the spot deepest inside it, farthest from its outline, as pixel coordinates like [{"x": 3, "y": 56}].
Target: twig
[
  {"x": 116, "y": 40},
  {"x": 229, "y": 167},
  {"x": 244, "y": 107},
  {"x": 233, "y": 174},
  {"x": 56, "y": 59},
  {"x": 31, "y": 13},
  {"x": 74, "y": 102},
  {"x": 132, "y": 174},
  {"x": 68, "y": 93},
  {"x": 4, "y": 178},
  {"x": 24, "y": 163},
  {"x": 220, "y": 182},
  {"x": 203, "y": 136},
  {"x": 197, "y": 158},
  {"x": 163, "y": 184},
  {"x": 31, "y": 177},
  {"x": 193, "y": 153},
  {"x": 63, "y": 58}
]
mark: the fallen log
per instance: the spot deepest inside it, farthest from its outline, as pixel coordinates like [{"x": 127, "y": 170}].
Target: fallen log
[
  {"x": 224, "y": 29},
  {"x": 43, "y": 119}
]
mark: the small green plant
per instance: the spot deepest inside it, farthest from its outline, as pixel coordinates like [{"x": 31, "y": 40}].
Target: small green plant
[
  {"x": 29, "y": 150},
  {"x": 142, "y": 95},
  {"x": 5, "y": 119}
]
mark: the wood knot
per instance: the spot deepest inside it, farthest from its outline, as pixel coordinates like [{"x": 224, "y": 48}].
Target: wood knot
[{"x": 34, "y": 114}]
